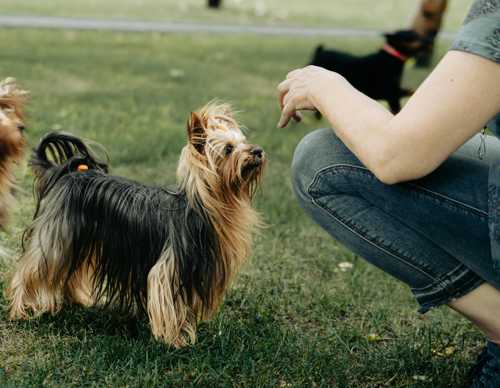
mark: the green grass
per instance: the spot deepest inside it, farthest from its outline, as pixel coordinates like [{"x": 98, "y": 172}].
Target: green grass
[
  {"x": 292, "y": 319},
  {"x": 387, "y": 14}
]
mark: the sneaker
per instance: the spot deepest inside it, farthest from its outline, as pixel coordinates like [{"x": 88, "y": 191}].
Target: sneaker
[{"x": 486, "y": 372}]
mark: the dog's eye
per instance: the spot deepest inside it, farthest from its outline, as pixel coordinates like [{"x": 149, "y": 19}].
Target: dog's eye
[{"x": 228, "y": 149}]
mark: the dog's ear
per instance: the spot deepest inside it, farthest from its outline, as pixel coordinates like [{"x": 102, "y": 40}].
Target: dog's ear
[
  {"x": 388, "y": 35},
  {"x": 197, "y": 134},
  {"x": 393, "y": 38}
]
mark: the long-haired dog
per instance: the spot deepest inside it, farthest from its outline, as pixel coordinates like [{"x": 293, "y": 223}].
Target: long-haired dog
[
  {"x": 12, "y": 142},
  {"x": 103, "y": 240}
]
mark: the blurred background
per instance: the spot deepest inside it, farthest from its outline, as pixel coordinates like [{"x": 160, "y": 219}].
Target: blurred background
[
  {"x": 387, "y": 14},
  {"x": 304, "y": 311}
]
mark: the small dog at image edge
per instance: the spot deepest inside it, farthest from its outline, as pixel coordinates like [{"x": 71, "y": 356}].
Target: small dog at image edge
[
  {"x": 106, "y": 241},
  {"x": 377, "y": 75},
  {"x": 12, "y": 142}
]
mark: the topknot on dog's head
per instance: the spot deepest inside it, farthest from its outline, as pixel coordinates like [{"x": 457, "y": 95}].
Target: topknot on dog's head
[
  {"x": 215, "y": 110},
  {"x": 214, "y": 116},
  {"x": 12, "y": 96}
]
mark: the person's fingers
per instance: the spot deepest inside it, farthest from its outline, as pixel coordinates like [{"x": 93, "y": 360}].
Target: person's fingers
[
  {"x": 284, "y": 86},
  {"x": 299, "y": 96},
  {"x": 297, "y": 117},
  {"x": 281, "y": 96},
  {"x": 290, "y": 95},
  {"x": 293, "y": 95},
  {"x": 309, "y": 68},
  {"x": 283, "y": 89},
  {"x": 290, "y": 91},
  {"x": 294, "y": 73},
  {"x": 290, "y": 110},
  {"x": 286, "y": 114}
]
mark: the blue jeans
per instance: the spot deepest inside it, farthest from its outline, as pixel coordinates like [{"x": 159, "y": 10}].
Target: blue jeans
[{"x": 431, "y": 233}]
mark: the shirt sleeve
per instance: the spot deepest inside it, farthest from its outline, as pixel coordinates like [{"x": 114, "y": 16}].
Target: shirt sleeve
[{"x": 480, "y": 33}]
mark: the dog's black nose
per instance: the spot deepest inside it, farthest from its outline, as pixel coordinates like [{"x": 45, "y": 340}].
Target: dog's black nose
[
  {"x": 257, "y": 152},
  {"x": 21, "y": 127}
]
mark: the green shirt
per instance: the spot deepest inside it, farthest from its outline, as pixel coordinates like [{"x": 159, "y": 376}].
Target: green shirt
[{"x": 480, "y": 35}]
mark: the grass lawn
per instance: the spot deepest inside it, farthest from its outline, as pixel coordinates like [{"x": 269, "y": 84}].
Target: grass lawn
[
  {"x": 387, "y": 14},
  {"x": 292, "y": 319}
]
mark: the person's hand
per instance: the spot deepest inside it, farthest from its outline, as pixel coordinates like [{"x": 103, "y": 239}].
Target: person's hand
[{"x": 302, "y": 90}]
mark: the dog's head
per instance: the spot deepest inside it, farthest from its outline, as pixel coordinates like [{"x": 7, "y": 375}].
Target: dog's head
[
  {"x": 408, "y": 42},
  {"x": 12, "y": 141},
  {"x": 218, "y": 156},
  {"x": 12, "y": 101}
]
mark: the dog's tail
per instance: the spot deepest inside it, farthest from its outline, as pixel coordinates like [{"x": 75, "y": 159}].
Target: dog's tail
[{"x": 59, "y": 154}]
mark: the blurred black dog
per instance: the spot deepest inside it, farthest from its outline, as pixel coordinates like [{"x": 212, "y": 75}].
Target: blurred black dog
[
  {"x": 377, "y": 75},
  {"x": 214, "y": 3}
]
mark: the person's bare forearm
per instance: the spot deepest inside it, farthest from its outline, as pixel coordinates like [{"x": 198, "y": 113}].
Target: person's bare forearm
[
  {"x": 452, "y": 105},
  {"x": 360, "y": 122}
]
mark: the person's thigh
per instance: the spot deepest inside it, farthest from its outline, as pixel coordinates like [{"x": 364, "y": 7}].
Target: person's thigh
[{"x": 430, "y": 233}]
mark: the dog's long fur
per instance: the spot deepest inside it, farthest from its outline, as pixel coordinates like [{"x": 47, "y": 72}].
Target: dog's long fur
[
  {"x": 98, "y": 239},
  {"x": 12, "y": 142}
]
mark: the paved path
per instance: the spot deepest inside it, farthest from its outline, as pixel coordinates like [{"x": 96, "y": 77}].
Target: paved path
[{"x": 173, "y": 27}]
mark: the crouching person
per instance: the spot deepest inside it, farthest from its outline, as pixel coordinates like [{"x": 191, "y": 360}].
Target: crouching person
[{"x": 417, "y": 193}]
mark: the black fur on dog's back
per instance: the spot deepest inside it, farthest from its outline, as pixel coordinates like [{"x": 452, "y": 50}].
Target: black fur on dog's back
[
  {"x": 120, "y": 227},
  {"x": 377, "y": 75}
]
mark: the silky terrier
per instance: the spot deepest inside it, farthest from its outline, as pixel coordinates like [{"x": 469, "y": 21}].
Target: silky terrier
[
  {"x": 102, "y": 240},
  {"x": 12, "y": 142}
]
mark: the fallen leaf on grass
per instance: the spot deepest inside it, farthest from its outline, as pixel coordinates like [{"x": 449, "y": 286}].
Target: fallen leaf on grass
[
  {"x": 446, "y": 352},
  {"x": 345, "y": 266},
  {"x": 372, "y": 337}
]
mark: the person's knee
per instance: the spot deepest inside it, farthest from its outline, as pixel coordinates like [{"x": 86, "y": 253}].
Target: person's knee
[{"x": 317, "y": 150}]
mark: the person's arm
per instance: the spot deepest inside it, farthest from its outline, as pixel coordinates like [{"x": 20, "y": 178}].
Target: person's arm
[{"x": 453, "y": 104}]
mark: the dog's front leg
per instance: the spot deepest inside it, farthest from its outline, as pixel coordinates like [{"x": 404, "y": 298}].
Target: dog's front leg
[{"x": 171, "y": 319}]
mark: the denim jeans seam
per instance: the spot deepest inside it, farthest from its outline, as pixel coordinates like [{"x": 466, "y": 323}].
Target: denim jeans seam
[
  {"x": 442, "y": 282},
  {"x": 493, "y": 221},
  {"x": 439, "y": 300},
  {"x": 357, "y": 231},
  {"x": 420, "y": 190},
  {"x": 354, "y": 229},
  {"x": 465, "y": 206},
  {"x": 444, "y": 296}
]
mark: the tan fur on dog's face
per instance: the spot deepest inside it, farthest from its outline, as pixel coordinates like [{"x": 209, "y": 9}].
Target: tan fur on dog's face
[
  {"x": 12, "y": 100},
  {"x": 231, "y": 156},
  {"x": 11, "y": 136},
  {"x": 220, "y": 149},
  {"x": 12, "y": 142}
]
